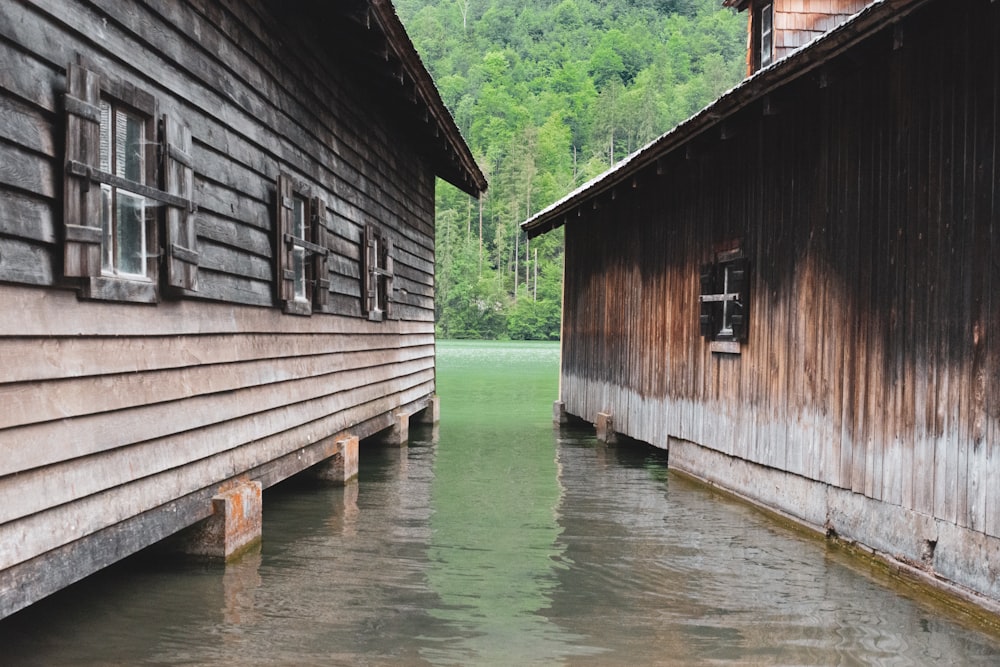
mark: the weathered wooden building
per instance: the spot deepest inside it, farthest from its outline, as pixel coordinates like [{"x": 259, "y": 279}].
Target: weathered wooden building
[
  {"x": 795, "y": 290},
  {"x": 216, "y": 259}
]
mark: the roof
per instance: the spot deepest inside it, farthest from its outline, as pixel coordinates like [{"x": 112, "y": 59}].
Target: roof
[
  {"x": 369, "y": 35},
  {"x": 872, "y": 19}
]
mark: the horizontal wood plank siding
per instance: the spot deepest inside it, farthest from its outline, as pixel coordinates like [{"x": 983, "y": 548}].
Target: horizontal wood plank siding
[
  {"x": 113, "y": 411},
  {"x": 867, "y": 206}
]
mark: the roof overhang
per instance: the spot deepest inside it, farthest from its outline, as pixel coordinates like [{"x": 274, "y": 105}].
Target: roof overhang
[
  {"x": 370, "y": 38},
  {"x": 872, "y": 19}
]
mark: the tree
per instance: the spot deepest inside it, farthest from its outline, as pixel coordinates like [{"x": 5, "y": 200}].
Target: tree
[{"x": 549, "y": 94}]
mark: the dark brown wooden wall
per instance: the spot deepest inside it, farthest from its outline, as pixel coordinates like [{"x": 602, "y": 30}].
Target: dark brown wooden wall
[
  {"x": 868, "y": 206},
  {"x": 118, "y": 421}
]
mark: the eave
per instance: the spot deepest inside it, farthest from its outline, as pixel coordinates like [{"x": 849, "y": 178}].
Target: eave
[
  {"x": 369, "y": 37},
  {"x": 707, "y": 122}
]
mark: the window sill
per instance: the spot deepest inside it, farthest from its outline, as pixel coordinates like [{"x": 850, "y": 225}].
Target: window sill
[
  {"x": 298, "y": 308},
  {"x": 106, "y": 288},
  {"x": 724, "y": 346}
]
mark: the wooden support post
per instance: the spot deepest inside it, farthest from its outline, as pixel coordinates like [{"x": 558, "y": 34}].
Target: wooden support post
[
  {"x": 342, "y": 467},
  {"x": 559, "y": 415},
  {"x": 399, "y": 432},
  {"x": 431, "y": 414},
  {"x": 606, "y": 428},
  {"x": 235, "y": 524}
]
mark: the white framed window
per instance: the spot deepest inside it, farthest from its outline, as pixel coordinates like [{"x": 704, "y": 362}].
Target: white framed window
[
  {"x": 300, "y": 211},
  {"x": 124, "y": 219},
  {"x": 302, "y": 267},
  {"x": 766, "y": 55},
  {"x": 378, "y": 272}
]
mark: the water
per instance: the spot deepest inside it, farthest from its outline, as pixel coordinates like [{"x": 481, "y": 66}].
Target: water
[{"x": 504, "y": 543}]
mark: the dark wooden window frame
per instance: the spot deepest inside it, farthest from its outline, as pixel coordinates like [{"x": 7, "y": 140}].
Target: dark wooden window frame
[
  {"x": 84, "y": 178},
  {"x": 725, "y": 301},
  {"x": 311, "y": 246},
  {"x": 378, "y": 274}
]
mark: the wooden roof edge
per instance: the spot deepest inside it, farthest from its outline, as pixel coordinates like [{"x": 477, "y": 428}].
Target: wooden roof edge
[
  {"x": 472, "y": 180},
  {"x": 872, "y": 19}
]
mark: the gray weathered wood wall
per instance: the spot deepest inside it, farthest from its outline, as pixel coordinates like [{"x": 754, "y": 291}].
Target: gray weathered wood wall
[{"x": 118, "y": 421}]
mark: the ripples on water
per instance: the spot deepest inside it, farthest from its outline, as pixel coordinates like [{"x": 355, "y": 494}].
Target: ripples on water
[{"x": 503, "y": 542}]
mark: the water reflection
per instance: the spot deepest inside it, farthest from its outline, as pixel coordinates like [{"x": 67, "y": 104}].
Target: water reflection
[
  {"x": 495, "y": 554},
  {"x": 499, "y": 541},
  {"x": 696, "y": 578}
]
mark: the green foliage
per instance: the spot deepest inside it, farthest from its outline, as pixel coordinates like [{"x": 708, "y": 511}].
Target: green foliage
[{"x": 550, "y": 94}]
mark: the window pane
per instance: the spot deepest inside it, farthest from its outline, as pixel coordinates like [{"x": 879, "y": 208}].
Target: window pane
[
  {"x": 299, "y": 218},
  {"x": 105, "y": 136},
  {"x": 299, "y": 254},
  {"x": 129, "y": 146},
  {"x": 299, "y": 267},
  {"x": 766, "y": 37},
  {"x": 130, "y": 234},
  {"x": 107, "y": 246}
]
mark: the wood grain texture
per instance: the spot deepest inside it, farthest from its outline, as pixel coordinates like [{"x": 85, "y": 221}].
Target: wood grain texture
[
  {"x": 116, "y": 414},
  {"x": 867, "y": 206}
]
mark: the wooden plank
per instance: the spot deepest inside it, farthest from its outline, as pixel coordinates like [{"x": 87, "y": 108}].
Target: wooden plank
[
  {"x": 233, "y": 261},
  {"x": 31, "y": 536},
  {"x": 27, "y": 171},
  {"x": 234, "y": 234},
  {"x": 27, "y": 217},
  {"x": 50, "y": 358},
  {"x": 26, "y": 262},
  {"x": 26, "y": 126},
  {"x": 59, "y": 313},
  {"x": 992, "y": 476},
  {"x": 24, "y": 74},
  {"x": 198, "y": 416},
  {"x": 40, "y": 402},
  {"x": 982, "y": 152}
]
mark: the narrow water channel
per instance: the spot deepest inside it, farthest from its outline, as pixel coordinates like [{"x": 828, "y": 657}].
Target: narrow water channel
[{"x": 503, "y": 541}]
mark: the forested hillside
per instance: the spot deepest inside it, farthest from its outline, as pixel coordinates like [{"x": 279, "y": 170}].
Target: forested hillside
[{"x": 550, "y": 93}]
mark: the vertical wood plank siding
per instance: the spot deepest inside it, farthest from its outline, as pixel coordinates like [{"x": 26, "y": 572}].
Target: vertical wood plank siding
[
  {"x": 868, "y": 208},
  {"x": 119, "y": 421}
]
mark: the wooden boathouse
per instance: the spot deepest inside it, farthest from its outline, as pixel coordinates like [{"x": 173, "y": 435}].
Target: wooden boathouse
[
  {"x": 216, "y": 262},
  {"x": 796, "y": 290}
]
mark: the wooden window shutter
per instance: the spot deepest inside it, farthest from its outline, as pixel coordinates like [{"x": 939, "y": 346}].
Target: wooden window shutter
[
  {"x": 707, "y": 320},
  {"x": 739, "y": 282},
  {"x": 283, "y": 247},
  {"x": 369, "y": 296},
  {"x": 320, "y": 264},
  {"x": 182, "y": 233},
  {"x": 82, "y": 198},
  {"x": 387, "y": 276}
]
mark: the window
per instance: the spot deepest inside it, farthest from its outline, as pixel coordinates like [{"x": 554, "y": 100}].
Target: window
[
  {"x": 378, "y": 272},
  {"x": 763, "y": 51},
  {"x": 111, "y": 214},
  {"x": 302, "y": 267},
  {"x": 724, "y": 299},
  {"x": 123, "y": 213}
]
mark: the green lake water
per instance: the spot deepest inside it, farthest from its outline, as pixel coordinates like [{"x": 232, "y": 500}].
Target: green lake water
[{"x": 500, "y": 540}]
